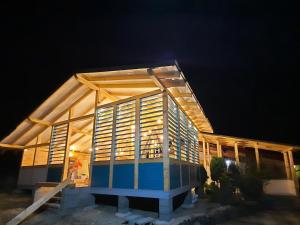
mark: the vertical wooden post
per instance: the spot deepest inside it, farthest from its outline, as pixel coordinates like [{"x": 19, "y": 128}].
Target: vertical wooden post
[
  {"x": 293, "y": 171},
  {"x": 137, "y": 143},
  {"x": 218, "y": 148},
  {"x": 236, "y": 153},
  {"x": 208, "y": 163},
  {"x": 113, "y": 148},
  {"x": 68, "y": 141},
  {"x": 286, "y": 165},
  {"x": 204, "y": 155},
  {"x": 93, "y": 143},
  {"x": 257, "y": 157},
  {"x": 166, "y": 160}
]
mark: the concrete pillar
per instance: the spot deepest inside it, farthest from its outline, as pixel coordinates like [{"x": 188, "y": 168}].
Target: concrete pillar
[
  {"x": 123, "y": 204},
  {"x": 293, "y": 171},
  {"x": 165, "y": 209},
  {"x": 286, "y": 165},
  {"x": 236, "y": 153},
  {"x": 75, "y": 198},
  {"x": 257, "y": 158}
]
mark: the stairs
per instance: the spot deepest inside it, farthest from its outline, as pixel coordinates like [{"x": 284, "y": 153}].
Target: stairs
[{"x": 54, "y": 202}]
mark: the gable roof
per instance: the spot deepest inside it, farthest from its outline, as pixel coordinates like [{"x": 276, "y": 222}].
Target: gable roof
[{"x": 114, "y": 84}]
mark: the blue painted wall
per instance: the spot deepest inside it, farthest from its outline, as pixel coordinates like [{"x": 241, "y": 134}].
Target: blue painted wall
[
  {"x": 54, "y": 174},
  {"x": 151, "y": 176},
  {"x": 193, "y": 174},
  {"x": 185, "y": 174},
  {"x": 123, "y": 176},
  {"x": 174, "y": 176},
  {"x": 100, "y": 176}
]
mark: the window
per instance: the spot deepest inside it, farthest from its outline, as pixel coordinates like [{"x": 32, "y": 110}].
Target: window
[
  {"x": 173, "y": 130},
  {"x": 151, "y": 127},
  {"x": 125, "y": 131},
  {"x": 58, "y": 144},
  {"x": 103, "y": 134}
]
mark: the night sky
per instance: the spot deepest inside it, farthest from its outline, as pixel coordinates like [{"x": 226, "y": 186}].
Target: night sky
[{"x": 240, "y": 57}]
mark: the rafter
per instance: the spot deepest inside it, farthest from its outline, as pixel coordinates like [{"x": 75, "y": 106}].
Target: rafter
[
  {"x": 38, "y": 121},
  {"x": 86, "y": 82},
  {"x": 3, "y": 145}
]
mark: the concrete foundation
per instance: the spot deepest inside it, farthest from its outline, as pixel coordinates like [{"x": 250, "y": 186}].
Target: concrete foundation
[
  {"x": 73, "y": 198},
  {"x": 165, "y": 209},
  {"x": 123, "y": 204}
]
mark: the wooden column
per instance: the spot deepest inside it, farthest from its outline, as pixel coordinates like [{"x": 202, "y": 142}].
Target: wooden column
[
  {"x": 293, "y": 171},
  {"x": 204, "y": 155},
  {"x": 137, "y": 143},
  {"x": 113, "y": 148},
  {"x": 166, "y": 159},
  {"x": 286, "y": 165},
  {"x": 219, "y": 150},
  {"x": 97, "y": 97},
  {"x": 67, "y": 150},
  {"x": 257, "y": 157},
  {"x": 236, "y": 153},
  {"x": 208, "y": 163}
]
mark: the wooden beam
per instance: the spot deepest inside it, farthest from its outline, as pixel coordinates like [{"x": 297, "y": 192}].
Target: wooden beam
[
  {"x": 10, "y": 146},
  {"x": 38, "y": 121},
  {"x": 108, "y": 95},
  {"x": 155, "y": 79},
  {"x": 286, "y": 165},
  {"x": 174, "y": 83},
  {"x": 257, "y": 157},
  {"x": 182, "y": 95},
  {"x": 86, "y": 82},
  {"x": 131, "y": 85},
  {"x": 76, "y": 130},
  {"x": 293, "y": 171},
  {"x": 236, "y": 153},
  {"x": 117, "y": 77}
]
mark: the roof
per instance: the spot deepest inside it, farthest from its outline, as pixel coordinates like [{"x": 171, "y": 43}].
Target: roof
[
  {"x": 245, "y": 142},
  {"x": 114, "y": 84}
]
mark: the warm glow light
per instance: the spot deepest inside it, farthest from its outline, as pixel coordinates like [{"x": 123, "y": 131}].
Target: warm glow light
[
  {"x": 145, "y": 135},
  {"x": 72, "y": 148},
  {"x": 161, "y": 137},
  {"x": 132, "y": 127},
  {"x": 90, "y": 149},
  {"x": 159, "y": 121},
  {"x": 71, "y": 154},
  {"x": 149, "y": 131},
  {"x": 228, "y": 162},
  {"x": 25, "y": 150}
]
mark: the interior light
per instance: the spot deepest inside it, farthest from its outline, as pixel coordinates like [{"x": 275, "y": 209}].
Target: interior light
[
  {"x": 90, "y": 149},
  {"x": 159, "y": 121},
  {"x": 72, "y": 147},
  {"x": 71, "y": 154},
  {"x": 25, "y": 150},
  {"x": 228, "y": 162}
]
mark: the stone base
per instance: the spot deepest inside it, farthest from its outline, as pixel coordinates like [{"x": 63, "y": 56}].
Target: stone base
[{"x": 165, "y": 209}]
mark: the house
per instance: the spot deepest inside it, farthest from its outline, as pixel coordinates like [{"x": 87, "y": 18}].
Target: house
[{"x": 136, "y": 132}]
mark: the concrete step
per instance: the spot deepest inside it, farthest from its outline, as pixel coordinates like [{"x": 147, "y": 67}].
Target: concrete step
[{"x": 53, "y": 205}]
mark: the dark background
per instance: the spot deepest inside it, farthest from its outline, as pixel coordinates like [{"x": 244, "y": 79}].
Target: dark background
[{"x": 240, "y": 57}]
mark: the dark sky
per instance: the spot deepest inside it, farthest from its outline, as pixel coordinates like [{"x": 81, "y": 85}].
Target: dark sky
[{"x": 240, "y": 57}]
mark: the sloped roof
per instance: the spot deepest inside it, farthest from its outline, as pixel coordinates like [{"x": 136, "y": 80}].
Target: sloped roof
[{"x": 118, "y": 84}]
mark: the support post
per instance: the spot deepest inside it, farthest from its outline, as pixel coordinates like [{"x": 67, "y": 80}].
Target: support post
[
  {"x": 286, "y": 165},
  {"x": 137, "y": 143},
  {"x": 67, "y": 150},
  {"x": 236, "y": 153},
  {"x": 123, "y": 204},
  {"x": 293, "y": 172},
  {"x": 166, "y": 160},
  {"x": 204, "y": 155},
  {"x": 257, "y": 157},
  {"x": 208, "y": 163},
  {"x": 165, "y": 208},
  {"x": 113, "y": 148}
]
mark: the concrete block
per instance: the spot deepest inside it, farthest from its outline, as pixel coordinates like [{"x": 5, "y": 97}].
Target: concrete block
[
  {"x": 123, "y": 204},
  {"x": 165, "y": 209}
]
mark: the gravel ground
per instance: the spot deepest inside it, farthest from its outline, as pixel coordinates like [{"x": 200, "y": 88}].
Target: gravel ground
[{"x": 273, "y": 217}]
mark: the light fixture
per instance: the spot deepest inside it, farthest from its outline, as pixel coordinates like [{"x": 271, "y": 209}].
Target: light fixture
[
  {"x": 228, "y": 162},
  {"x": 90, "y": 149},
  {"x": 72, "y": 148},
  {"x": 71, "y": 154},
  {"x": 25, "y": 150}
]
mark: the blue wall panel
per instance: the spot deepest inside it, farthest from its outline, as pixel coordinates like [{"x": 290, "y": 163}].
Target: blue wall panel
[
  {"x": 151, "y": 176},
  {"x": 54, "y": 174},
  {"x": 100, "y": 176},
  {"x": 185, "y": 174},
  {"x": 123, "y": 176},
  {"x": 174, "y": 176}
]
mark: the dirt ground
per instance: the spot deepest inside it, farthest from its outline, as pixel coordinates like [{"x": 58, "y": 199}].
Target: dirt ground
[{"x": 12, "y": 204}]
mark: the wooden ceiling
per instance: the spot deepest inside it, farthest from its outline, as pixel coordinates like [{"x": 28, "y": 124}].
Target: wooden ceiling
[{"x": 112, "y": 85}]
